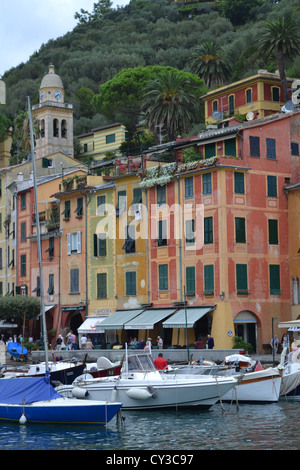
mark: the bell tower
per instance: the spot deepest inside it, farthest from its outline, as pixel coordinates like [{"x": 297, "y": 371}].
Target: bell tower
[{"x": 55, "y": 118}]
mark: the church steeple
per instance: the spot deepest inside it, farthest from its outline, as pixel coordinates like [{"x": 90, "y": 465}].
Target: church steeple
[{"x": 55, "y": 116}]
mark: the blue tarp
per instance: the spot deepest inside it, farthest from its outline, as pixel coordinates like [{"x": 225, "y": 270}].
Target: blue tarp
[
  {"x": 16, "y": 349},
  {"x": 22, "y": 390}
]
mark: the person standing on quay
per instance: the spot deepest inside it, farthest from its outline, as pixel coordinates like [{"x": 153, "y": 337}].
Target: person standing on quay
[{"x": 210, "y": 342}]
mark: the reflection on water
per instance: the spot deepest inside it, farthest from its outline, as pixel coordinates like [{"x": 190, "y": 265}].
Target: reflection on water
[{"x": 250, "y": 427}]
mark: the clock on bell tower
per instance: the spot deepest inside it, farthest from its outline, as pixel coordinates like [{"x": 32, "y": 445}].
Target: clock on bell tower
[{"x": 55, "y": 117}]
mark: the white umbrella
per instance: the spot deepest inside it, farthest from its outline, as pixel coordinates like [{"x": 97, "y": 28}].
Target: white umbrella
[{"x": 238, "y": 358}]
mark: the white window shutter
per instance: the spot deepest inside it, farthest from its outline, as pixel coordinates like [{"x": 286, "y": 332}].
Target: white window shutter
[
  {"x": 68, "y": 243},
  {"x": 78, "y": 242}
]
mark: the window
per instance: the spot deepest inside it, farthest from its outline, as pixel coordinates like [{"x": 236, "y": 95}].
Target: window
[
  {"x": 215, "y": 105},
  {"x": 241, "y": 279},
  {"x": 206, "y": 183},
  {"x": 240, "y": 230},
  {"x": 189, "y": 187},
  {"x": 190, "y": 281},
  {"x": 208, "y": 230},
  {"x": 23, "y": 201},
  {"x": 55, "y": 128},
  {"x": 64, "y": 132},
  {"x": 101, "y": 207},
  {"x": 271, "y": 149},
  {"x": 231, "y": 105},
  {"x": 79, "y": 208},
  {"x": 210, "y": 150},
  {"x": 163, "y": 281},
  {"x": 67, "y": 211},
  {"x": 23, "y": 231},
  {"x": 190, "y": 232},
  {"x": 275, "y": 94},
  {"x": 1, "y": 265},
  {"x": 110, "y": 139},
  {"x": 273, "y": 231},
  {"x": 295, "y": 290},
  {"x": 239, "y": 183},
  {"x": 129, "y": 245},
  {"x": 249, "y": 96},
  {"x": 161, "y": 195},
  {"x": 50, "y": 290},
  {"x": 274, "y": 271},
  {"x": 294, "y": 148},
  {"x": 100, "y": 244},
  {"x": 130, "y": 283},
  {"x": 37, "y": 289},
  {"x": 101, "y": 285},
  {"x": 73, "y": 243},
  {"x": 122, "y": 203},
  {"x": 137, "y": 196},
  {"x": 209, "y": 279},
  {"x": 50, "y": 249},
  {"x": 230, "y": 147},
  {"x": 254, "y": 146},
  {"x": 272, "y": 186},
  {"x": 74, "y": 281},
  {"x": 23, "y": 265},
  {"x": 161, "y": 240}
]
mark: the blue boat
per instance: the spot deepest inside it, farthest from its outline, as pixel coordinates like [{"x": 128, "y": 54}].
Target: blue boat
[
  {"x": 34, "y": 400},
  {"x": 17, "y": 350}
]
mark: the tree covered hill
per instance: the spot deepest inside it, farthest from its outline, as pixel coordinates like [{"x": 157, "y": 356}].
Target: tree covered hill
[{"x": 143, "y": 33}]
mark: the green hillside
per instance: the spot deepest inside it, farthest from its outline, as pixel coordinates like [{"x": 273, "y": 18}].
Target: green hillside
[{"x": 143, "y": 33}]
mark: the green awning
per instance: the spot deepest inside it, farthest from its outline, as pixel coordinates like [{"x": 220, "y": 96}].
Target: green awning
[
  {"x": 186, "y": 318},
  {"x": 147, "y": 319},
  {"x": 117, "y": 320}
]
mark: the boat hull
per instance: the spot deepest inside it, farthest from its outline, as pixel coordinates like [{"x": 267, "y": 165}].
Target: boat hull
[
  {"x": 257, "y": 387},
  {"x": 61, "y": 411},
  {"x": 142, "y": 394}
]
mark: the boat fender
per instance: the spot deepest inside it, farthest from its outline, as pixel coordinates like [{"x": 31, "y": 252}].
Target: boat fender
[
  {"x": 23, "y": 419},
  {"x": 78, "y": 392},
  {"x": 139, "y": 393},
  {"x": 113, "y": 395}
]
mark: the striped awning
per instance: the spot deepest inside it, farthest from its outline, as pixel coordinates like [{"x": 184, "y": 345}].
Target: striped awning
[
  {"x": 186, "y": 318},
  {"x": 91, "y": 325},
  {"x": 147, "y": 319},
  {"x": 117, "y": 320},
  {"x": 289, "y": 324}
]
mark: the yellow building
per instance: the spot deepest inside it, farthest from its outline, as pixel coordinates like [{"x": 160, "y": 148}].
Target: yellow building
[{"x": 102, "y": 140}]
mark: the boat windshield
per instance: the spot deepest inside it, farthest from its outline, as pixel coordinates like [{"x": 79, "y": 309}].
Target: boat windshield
[{"x": 141, "y": 363}]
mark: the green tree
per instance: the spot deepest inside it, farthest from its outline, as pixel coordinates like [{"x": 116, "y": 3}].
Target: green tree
[
  {"x": 171, "y": 102},
  {"x": 237, "y": 11},
  {"x": 209, "y": 62},
  {"x": 280, "y": 39},
  {"x": 4, "y": 125},
  {"x": 100, "y": 8},
  {"x": 85, "y": 98},
  {"x": 17, "y": 306}
]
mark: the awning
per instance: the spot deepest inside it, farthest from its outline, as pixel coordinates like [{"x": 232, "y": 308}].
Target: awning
[
  {"x": 8, "y": 325},
  {"x": 48, "y": 307},
  {"x": 186, "y": 318},
  {"x": 289, "y": 324},
  {"x": 91, "y": 325},
  {"x": 117, "y": 320},
  {"x": 148, "y": 318}
]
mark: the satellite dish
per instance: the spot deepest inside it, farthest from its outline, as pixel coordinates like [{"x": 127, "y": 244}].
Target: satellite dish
[
  {"x": 289, "y": 105},
  {"x": 250, "y": 116},
  {"x": 216, "y": 115}
]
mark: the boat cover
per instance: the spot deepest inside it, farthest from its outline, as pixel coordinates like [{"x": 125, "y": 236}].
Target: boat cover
[{"x": 22, "y": 390}]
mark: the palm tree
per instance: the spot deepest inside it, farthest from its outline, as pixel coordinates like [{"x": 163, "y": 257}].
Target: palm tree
[
  {"x": 209, "y": 61},
  {"x": 280, "y": 38},
  {"x": 171, "y": 101}
]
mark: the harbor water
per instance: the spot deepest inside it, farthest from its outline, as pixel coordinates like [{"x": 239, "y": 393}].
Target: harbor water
[{"x": 223, "y": 427}]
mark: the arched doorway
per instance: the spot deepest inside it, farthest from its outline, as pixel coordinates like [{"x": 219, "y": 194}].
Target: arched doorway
[{"x": 245, "y": 324}]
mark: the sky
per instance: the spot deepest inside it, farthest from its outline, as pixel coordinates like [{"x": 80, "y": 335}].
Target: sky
[{"x": 27, "y": 24}]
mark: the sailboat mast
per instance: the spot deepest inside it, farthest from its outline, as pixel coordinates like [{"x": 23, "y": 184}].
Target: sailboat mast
[{"x": 38, "y": 235}]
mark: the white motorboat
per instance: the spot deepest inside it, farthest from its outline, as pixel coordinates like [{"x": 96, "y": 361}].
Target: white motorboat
[
  {"x": 141, "y": 387},
  {"x": 290, "y": 387}
]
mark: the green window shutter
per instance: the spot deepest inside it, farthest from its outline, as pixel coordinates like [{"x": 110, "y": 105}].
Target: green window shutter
[
  {"x": 254, "y": 146},
  {"x": 190, "y": 280},
  {"x": 230, "y": 147},
  {"x": 100, "y": 205},
  {"x": 274, "y": 270},
  {"x": 208, "y": 230},
  {"x": 273, "y": 231},
  {"x": 23, "y": 265},
  {"x": 206, "y": 183},
  {"x": 163, "y": 281},
  {"x": 162, "y": 240},
  {"x": 137, "y": 196},
  {"x": 188, "y": 187},
  {"x": 275, "y": 94},
  {"x": 272, "y": 186},
  {"x": 241, "y": 279},
  {"x": 210, "y": 150},
  {"x": 239, "y": 183},
  {"x": 271, "y": 148},
  {"x": 231, "y": 105},
  {"x": 248, "y": 96},
  {"x": 121, "y": 206},
  {"x": 45, "y": 163},
  {"x": 101, "y": 286},
  {"x": 240, "y": 230},
  {"x": 102, "y": 245},
  {"x": 161, "y": 195},
  {"x": 131, "y": 283},
  {"x": 209, "y": 279}
]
